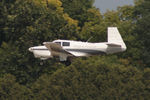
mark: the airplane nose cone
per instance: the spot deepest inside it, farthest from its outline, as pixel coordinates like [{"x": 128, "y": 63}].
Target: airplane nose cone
[
  {"x": 30, "y": 49},
  {"x": 124, "y": 49}
]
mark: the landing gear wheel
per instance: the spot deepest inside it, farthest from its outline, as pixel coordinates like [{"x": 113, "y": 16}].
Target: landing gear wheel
[
  {"x": 41, "y": 63},
  {"x": 67, "y": 63}
]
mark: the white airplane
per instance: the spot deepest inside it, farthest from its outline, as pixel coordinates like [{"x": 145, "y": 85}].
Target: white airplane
[{"x": 65, "y": 50}]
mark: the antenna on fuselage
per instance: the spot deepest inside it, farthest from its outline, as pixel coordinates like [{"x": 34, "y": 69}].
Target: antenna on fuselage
[{"x": 89, "y": 39}]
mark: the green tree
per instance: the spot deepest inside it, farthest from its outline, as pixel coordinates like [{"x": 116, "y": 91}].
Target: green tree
[
  {"x": 77, "y": 9},
  {"x": 95, "y": 78},
  {"x": 142, "y": 13},
  {"x": 35, "y": 21},
  {"x": 126, "y": 27},
  {"x": 92, "y": 27},
  {"x": 11, "y": 90},
  {"x": 6, "y": 16}
]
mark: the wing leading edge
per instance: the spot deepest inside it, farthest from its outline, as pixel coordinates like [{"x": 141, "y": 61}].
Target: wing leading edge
[{"x": 57, "y": 51}]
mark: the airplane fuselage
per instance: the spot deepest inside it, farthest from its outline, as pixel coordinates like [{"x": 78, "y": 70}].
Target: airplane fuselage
[
  {"x": 66, "y": 49},
  {"x": 76, "y": 48}
]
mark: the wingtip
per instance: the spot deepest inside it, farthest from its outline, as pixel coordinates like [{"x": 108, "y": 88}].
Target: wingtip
[{"x": 46, "y": 42}]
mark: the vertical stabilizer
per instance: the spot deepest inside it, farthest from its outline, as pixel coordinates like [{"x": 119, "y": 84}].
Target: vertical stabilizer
[{"x": 114, "y": 37}]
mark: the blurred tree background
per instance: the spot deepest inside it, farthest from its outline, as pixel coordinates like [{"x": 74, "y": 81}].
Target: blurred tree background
[{"x": 26, "y": 23}]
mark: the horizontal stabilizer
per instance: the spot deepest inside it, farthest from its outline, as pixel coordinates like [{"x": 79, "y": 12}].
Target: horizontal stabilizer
[{"x": 113, "y": 45}]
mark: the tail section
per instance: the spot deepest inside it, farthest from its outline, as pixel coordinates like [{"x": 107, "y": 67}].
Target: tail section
[{"x": 115, "y": 40}]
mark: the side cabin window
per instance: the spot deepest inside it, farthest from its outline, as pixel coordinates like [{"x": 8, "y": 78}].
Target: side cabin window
[{"x": 66, "y": 44}]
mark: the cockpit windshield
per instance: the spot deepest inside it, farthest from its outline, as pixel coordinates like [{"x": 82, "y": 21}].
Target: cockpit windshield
[
  {"x": 66, "y": 44},
  {"x": 58, "y": 43}
]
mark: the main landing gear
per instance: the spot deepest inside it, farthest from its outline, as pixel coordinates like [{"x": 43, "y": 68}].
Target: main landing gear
[{"x": 67, "y": 63}]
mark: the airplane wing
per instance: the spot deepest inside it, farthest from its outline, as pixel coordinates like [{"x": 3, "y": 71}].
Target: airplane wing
[{"x": 57, "y": 50}]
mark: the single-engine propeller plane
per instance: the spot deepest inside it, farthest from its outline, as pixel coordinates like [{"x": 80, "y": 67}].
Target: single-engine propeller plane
[{"x": 65, "y": 50}]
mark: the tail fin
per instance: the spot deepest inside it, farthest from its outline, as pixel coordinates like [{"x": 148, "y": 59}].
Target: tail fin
[{"x": 114, "y": 37}]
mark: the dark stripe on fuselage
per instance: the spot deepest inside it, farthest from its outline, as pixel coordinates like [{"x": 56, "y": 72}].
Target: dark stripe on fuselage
[{"x": 89, "y": 51}]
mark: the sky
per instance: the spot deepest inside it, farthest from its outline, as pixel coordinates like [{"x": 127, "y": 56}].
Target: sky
[{"x": 105, "y": 5}]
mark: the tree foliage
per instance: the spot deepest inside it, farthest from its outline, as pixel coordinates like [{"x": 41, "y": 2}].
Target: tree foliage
[
  {"x": 95, "y": 81},
  {"x": 11, "y": 90},
  {"x": 26, "y": 23},
  {"x": 33, "y": 24},
  {"x": 77, "y": 9},
  {"x": 142, "y": 12}
]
